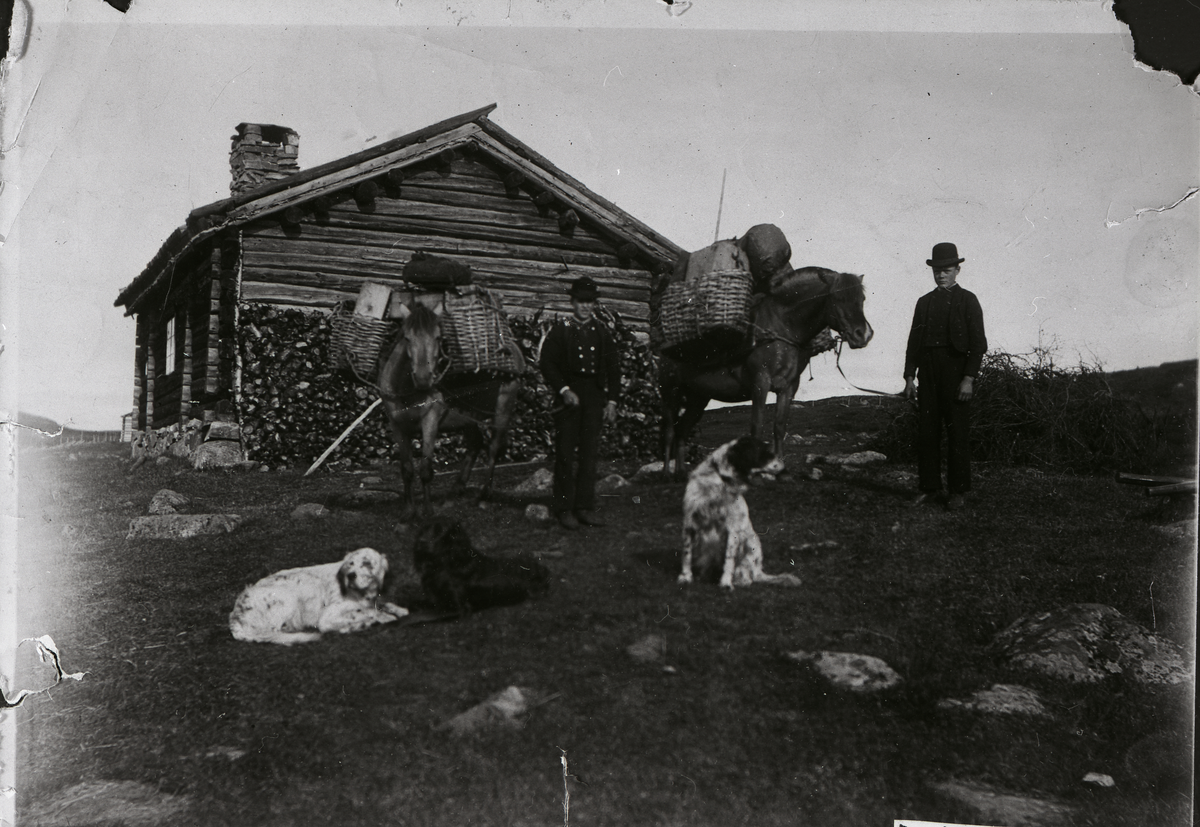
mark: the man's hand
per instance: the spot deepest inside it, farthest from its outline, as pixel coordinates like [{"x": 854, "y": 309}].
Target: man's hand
[
  {"x": 570, "y": 398},
  {"x": 610, "y": 413},
  {"x": 910, "y": 389},
  {"x": 966, "y": 388}
]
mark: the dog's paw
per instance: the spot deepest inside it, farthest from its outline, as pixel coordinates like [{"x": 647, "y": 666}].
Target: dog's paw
[
  {"x": 395, "y": 611},
  {"x": 684, "y": 579}
]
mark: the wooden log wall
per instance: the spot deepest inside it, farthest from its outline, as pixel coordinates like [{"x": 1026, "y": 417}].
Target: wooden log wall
[
  {"x": 517, "y": 240},
  {"x": 178, "y": 392},
  {"x": 139, "y": 372}
]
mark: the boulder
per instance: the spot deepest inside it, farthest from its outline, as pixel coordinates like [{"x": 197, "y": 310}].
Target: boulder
[
  {"x": 996, "y": 806},
  {"x": 181, "y": 526},
  {"x": 649, "y": 649},
  {"x": 648, "y": 471},
  {"x": 1000, "y": 699},
  {"x": 847, "y": 670},
  {"x": 537, "y": 513},
  {"x": 1087, "y": 642},
  {"x": 541, "y": 482},
  {"x": 366, "y": 497},
  {"x": 224, "y": 430},
  {"x": 500, "y": 711},
  {"x": 310, "y": 511},
  {"x": 217, "y": 453},
  {"x": 611, "y": 484},
  {"x": 167, "y": 501},
  {"x": 855, "y": 460}
]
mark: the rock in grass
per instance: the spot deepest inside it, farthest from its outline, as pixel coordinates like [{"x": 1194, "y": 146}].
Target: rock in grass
[
  {"x": 993, "y": 805},
  {"x": 537, "y": 513},
  {"x": 649, "y": 649},
  {"x": 649, "y": 471},
  {"x": 611, "y": 483},
  {"x": 181, "y": 526},
  {"x": 541, "y": 481},
  {"x": 1087, "y": 642},
  {"x": 500, "y": 711},
  {"x": 310, "y": 511},
  {"x": 366, "y": 497},
  {"x": 1000, "y": 699},
  {"x": 218, "y": 453},
  {"x": 167, "y": 501},
  {"x": 847, "y": 670}
]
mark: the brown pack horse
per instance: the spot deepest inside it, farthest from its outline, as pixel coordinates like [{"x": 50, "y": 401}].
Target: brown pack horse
[
  {"x": 422, "y": 401},
  {"x": 779, "y": 344}
]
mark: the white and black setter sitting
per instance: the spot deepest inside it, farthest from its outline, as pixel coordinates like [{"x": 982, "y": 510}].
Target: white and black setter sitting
[
  {"x": 458, "y": 578},
  {"x": 717, "y": 534}
]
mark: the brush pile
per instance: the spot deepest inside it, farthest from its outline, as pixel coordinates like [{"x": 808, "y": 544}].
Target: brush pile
[{"x": 1028, "y": 410}]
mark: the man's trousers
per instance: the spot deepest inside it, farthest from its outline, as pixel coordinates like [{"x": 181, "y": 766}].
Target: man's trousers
[{"x": 939, "y": 373}]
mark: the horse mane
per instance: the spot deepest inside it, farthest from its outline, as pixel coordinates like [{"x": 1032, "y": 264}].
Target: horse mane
[
  {"x": 421, "y": 320},
  {"x": 807, "y": 283}
]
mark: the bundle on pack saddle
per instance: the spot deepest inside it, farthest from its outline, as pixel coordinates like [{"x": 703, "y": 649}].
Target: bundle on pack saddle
[
  {"x": 475, "y": 328},
  {"x": 705, "y": 309}
]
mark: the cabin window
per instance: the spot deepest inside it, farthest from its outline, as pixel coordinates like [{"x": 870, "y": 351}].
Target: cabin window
[{"x": 169, "y": 357}]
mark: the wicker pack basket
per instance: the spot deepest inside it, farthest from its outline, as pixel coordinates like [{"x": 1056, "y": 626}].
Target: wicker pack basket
[
  {"x": 717, "y": 300},
  {"x": 355, "y": 341},
  {"x": 476, "y": 334}
]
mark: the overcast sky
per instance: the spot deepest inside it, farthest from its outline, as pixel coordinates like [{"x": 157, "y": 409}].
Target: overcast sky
[{"x": 1029, "y": 137}]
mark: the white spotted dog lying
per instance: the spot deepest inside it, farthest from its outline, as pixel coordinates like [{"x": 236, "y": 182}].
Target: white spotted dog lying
[
  {"x": 717, "y": 533},
  {"x": 298, "y": 605}
]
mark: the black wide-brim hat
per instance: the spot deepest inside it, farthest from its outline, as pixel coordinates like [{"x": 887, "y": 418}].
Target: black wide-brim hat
[
  {"x": 944, "y": 254},
  {"x": 584, "y": 289}
]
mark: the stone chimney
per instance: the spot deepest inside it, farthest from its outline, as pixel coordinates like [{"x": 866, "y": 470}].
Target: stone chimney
[{"x": 262, "y": 153}]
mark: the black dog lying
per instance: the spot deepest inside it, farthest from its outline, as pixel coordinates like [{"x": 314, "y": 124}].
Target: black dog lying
[{"x": 458, "y": 578}]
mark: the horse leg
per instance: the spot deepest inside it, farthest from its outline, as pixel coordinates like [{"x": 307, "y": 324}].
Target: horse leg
[
  {"x": 694, "y": 405},
  {"x": 783, "y": 403},
  {"x": 405, "y": 458},
  {"x": 758, "y": 402},
  {"x": 669, "y": 392},
  {"x": 431, "y": 419},
  {"x": 506, "y": 401},
  {"x": 474, "y": 441}
]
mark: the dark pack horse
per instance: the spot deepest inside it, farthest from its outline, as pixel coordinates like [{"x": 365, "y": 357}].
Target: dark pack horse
[
  {"x": 422, "y": 402},
  {"x": 783, "y": 324}
]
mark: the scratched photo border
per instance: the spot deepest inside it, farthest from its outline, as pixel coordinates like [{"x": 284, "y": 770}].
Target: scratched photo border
[{"x": 18, "y": 334}]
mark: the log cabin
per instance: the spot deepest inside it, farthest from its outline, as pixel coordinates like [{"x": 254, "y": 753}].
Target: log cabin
[{"x": 463, "y": 188}]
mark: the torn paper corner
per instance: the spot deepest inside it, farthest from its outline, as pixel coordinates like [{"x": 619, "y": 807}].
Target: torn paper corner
[{"x": 47, "y": 653}]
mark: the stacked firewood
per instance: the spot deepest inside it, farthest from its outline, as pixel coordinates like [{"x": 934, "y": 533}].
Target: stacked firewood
[{"x": 293, "y": 405}]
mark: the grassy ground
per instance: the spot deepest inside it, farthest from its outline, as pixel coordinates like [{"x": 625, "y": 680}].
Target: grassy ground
[{"x": 343, "y": 731}]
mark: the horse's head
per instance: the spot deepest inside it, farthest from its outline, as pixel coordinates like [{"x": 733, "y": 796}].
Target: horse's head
[
  {"x": 421, "y": 333},
  {"x": 845, "y": 308}
]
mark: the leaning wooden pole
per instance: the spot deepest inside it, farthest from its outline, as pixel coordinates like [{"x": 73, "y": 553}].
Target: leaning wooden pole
[
  {"x": 345, "y": 434},
  {"x": 720, "y": 204}
]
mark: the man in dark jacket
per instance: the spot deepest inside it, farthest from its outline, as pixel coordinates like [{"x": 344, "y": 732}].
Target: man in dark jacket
[
  {"x": 945, "y": 348},
  {"x": 579, "y": 361}
]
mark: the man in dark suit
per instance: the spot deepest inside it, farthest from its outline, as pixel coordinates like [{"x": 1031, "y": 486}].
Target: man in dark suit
[
  {"x": 945, "y": 348},
  {"x": 579, "y": 361}
]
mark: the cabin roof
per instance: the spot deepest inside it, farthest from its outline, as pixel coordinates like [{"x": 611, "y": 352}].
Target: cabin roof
[{"x": 468, "y": 128}]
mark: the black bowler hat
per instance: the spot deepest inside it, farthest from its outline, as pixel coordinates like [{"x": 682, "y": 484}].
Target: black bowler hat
[
  {"x": 584, "y": 289},
  {"x": 944, "y": 255}
]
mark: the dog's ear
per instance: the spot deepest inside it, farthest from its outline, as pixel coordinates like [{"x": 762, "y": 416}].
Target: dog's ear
[
  {"x": 341, "y": 576},
  {"x": 745, "y": 455}
]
